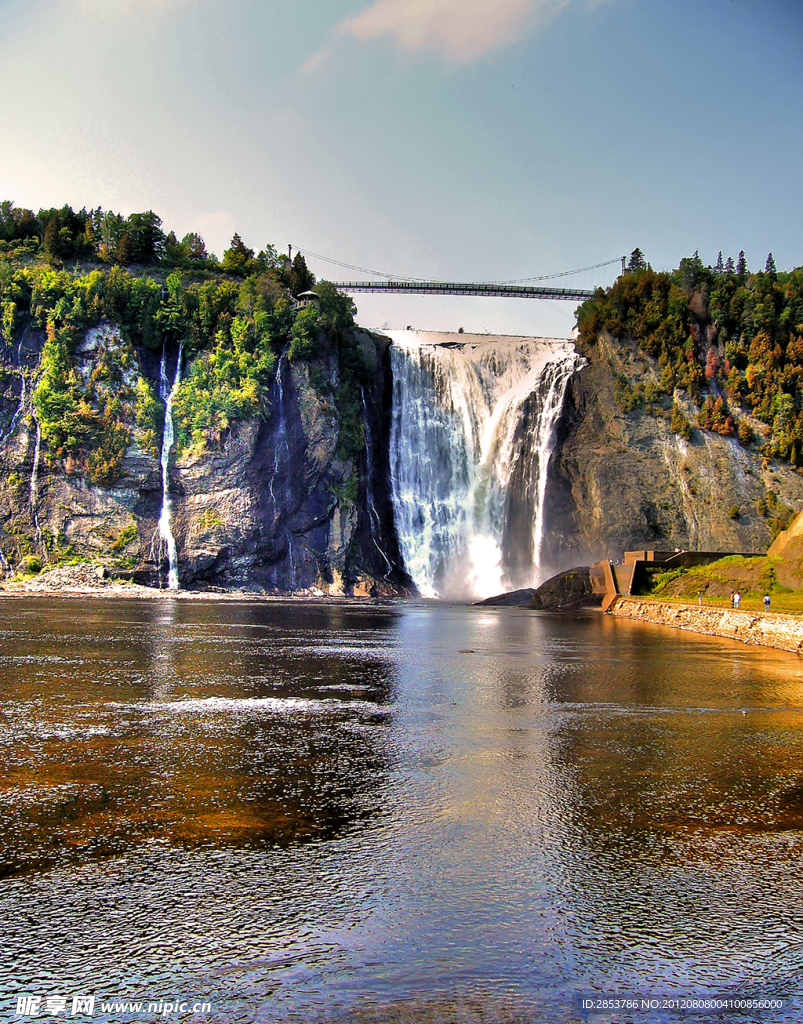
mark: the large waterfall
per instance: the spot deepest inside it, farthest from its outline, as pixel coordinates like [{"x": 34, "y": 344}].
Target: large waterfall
[{"x": 473, "y": 426}]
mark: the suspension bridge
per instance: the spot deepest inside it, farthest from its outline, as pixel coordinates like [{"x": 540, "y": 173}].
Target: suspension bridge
[
  {"x": 508, "y": 291},
  {"x": 526, "y": 288}
]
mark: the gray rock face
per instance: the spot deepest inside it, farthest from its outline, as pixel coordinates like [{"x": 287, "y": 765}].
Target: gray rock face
[
  {"x": 514, "y": 599},
  {"x": 569, "y": 590},
  {"x": 272, "y": 506},
  {"x": 621, "y": 481}
]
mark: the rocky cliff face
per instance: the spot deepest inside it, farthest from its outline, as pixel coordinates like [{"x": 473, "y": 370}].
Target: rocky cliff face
[
  {"x": 623, "y": 480},
  {"x": 272, "y": 505}
]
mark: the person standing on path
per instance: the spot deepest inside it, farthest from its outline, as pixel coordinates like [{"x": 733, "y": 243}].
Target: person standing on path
[
  {"x": 737, "y": 597},
  {"x": 766, "y": 602},
  {"x": 732, "y": 597}
]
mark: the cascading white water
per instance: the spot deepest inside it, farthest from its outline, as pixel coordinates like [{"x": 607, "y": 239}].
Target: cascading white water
[
  {"x": 167, "y": 394},
  {"x": 473, "y": 427}
]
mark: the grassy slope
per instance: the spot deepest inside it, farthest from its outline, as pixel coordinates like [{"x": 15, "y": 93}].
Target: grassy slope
[{"x": 752, "y": 577}]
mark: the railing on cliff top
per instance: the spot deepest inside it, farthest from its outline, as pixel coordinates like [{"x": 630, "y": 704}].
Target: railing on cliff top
[{"x": 507, "y": 291}]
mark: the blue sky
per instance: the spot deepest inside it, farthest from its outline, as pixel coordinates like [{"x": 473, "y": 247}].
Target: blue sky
[{"x": 454, "y": 139}]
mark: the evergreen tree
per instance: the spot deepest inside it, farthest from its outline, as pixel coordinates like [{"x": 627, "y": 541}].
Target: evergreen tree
[
  {"x": 147, "y": 237},
  {"x": 769, "y": 266},
  {"x": 125, "y": 250},
  {"x": 238, "y": 258},
  {"x": 301, "y": 280},
  {"x": 741, "y": 266},
  {"x": 637, "y": 261},
  {"x": 195, "y": 246},
  {"x": 719, "y": 268},
  {"x": 729, "y": 265},
  {"x": 51, "y": 243}
]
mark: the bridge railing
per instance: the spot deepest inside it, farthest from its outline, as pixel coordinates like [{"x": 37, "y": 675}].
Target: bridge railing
[{"x": 510, "y": 291}]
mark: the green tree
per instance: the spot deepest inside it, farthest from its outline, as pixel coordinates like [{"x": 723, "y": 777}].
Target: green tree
[
  {"x": 304, "y": 335},
  {"x": 680, "y": 425},
  {"x": 125, "y": 250},
  {"x": 147, "y": 237},
  {"x": 300, "y": 279},
  {"x": 636, "y": 262},
  {"x": 238, "y": 258}
]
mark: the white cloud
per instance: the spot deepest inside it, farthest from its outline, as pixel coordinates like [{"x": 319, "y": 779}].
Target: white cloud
[{"x": 458, "y": 30}]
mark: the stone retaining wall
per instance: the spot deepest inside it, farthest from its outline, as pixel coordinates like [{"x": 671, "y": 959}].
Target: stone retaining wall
[{"x": 784, "y": 632}]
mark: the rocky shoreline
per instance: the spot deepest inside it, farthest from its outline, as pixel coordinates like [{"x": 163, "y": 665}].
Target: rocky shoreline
[
  {"x": 88, "y": 580},
  {"x": 783, "y": 632}
]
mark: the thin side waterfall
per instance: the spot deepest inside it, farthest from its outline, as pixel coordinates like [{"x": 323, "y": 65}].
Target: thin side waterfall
[
  {"x": 167, "y": 394},
  {"x": 473, "y": 428},
  {"x": 280, "y": 438}
]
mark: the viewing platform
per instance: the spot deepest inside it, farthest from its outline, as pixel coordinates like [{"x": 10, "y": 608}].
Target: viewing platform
[{"x": 620, "y": 579}]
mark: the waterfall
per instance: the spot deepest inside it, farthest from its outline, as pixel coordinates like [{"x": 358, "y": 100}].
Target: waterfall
[
  {"x": 473, "y": 427},
  {"x": 280, "y": 438},
  {"x": 167, "y": 394}
]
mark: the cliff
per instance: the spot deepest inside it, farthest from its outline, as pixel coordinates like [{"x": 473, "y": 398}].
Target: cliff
[
  {"x": 621, "y": 477},
  {"x": 274, "y": 502},
  {"x": 786, "y": 554}
]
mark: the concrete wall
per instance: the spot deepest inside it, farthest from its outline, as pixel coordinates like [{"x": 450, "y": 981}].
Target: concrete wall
[{"x": 784, "y": 632}]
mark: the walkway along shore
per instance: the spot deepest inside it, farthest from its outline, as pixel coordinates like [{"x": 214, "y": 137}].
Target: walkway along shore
[{"x": 784, "y": 632}]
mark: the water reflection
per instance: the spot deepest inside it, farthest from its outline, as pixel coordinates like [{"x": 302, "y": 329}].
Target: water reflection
[
  {"x": 422, "y": 813},
  {"x": 168, "y": 722}
]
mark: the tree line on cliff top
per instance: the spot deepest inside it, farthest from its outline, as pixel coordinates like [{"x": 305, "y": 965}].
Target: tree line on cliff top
[
  {"x": 731, "y": 339},
  {"x": 66, "y": 272}
]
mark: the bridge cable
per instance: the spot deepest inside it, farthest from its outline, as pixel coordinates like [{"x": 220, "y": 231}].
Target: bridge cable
[
  {"x": 565, "y": 273},
  {"x": 424, "y": 280},
  {"x": 362, "y": 270}
]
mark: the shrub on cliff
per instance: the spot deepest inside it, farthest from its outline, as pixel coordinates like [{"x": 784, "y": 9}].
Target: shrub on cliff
[
  {"x": 679, "y": 424},
  {"x": 722, "y": 334},
  {"x": 227, "y": 384},
  {"x": 233, "y": 319},
  {"x": 88, "y": 422},
  {"x": 304, "y": 335}
]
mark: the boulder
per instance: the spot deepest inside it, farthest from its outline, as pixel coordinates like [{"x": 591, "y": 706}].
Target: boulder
[{"x": 567, "y": 591}]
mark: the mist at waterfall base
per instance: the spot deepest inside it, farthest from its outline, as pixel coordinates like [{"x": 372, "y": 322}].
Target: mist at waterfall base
[{"x": 473, "y": 426}]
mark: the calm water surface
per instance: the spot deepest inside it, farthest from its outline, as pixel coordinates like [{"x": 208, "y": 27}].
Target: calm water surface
[{"x": 413, "y": 813}]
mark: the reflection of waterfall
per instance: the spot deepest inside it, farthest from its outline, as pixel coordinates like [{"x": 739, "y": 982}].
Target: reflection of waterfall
[
  {"x": 167, "y": 394},
  {"x": 473, "y": 426}
]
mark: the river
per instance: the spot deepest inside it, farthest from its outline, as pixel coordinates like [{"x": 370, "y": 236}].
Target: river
[{"x": 418, "y": 812}]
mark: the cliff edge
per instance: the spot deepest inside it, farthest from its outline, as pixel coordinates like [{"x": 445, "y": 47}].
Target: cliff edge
[{"x": 623, "y": 478}]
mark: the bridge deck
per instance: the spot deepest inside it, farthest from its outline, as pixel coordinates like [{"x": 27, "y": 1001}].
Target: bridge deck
[{"x": 509, "y": 291}]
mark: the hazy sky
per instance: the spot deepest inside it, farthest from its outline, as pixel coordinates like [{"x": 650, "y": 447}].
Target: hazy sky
[{"x": 453, "y": 139}]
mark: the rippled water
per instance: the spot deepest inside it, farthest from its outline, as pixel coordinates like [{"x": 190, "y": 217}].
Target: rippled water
[{"x": 411, "y": 813}]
